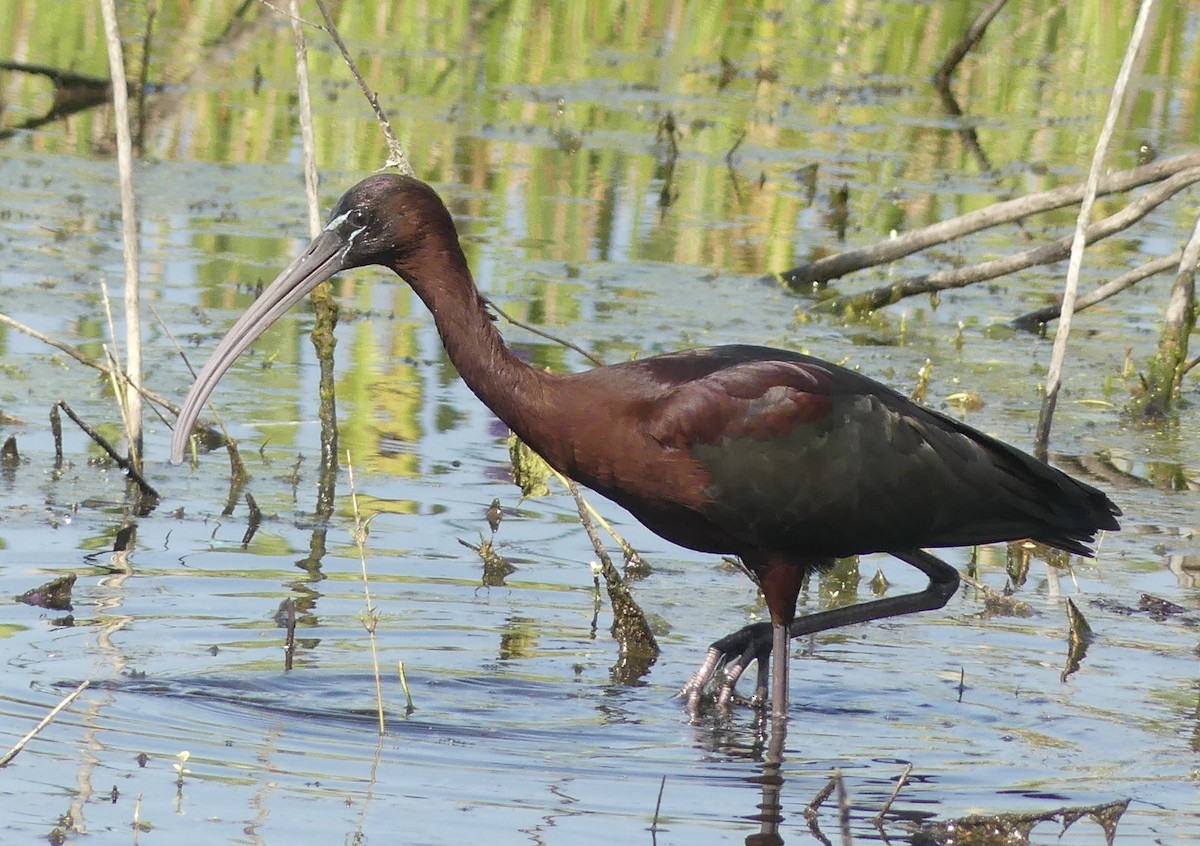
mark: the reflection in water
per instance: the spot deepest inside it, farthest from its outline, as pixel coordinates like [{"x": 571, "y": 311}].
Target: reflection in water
[
  {"x": 770, "y": 812},
  {"x": 518, "y": 639}
]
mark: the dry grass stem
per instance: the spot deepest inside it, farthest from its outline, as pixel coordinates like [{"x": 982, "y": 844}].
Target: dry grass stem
[
  {"x": 116, "y": 374},
  {"x": 631, "y": 555},
  {"x": 370, "y": 617},
  {"x": 46, "y": 720},
  {"x": 408, "y": 700},
  {"x": 1058, "y": 355},
  {"x": 308, "y": 144},
  {"x": 129, "y": 233},
  {"x": 900, "y": 782}
]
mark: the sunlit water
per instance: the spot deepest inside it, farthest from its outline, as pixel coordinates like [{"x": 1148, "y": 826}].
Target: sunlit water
[{"x": 519, "y": 733}]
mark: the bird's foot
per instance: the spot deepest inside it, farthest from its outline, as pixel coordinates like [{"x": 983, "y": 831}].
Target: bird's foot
[{"x": 728, "y": 659}]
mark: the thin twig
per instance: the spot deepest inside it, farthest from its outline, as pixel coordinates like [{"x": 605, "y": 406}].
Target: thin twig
[
  {"x": 970, "y": 38},
  {"x": 843, "y": 806},
  {"x": 396, "y": 156},
  {"x": 658, "y": 805},
  {"x": 103, "y": 443},
  {"x": 900, "y": 782},
  {"x": 16, "y": 750},
  {"x": 1059, "y": 354},
  {"x": 630, "y": 626},
  {"x": 631, "y": 554},
  {"x": 289, "y": 638},
  {"x": 542, "y": 333},
  {"x": 824, "y": 793}
]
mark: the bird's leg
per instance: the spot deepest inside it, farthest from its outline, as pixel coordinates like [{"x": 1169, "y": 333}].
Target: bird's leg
[
  {"x": 780, "y": 578},
  {"x": 733, "y": 653},
  {"x": 780, "y": 656}
]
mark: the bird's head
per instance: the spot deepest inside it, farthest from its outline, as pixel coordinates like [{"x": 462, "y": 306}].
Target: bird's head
[{"x": 386, "y": 219}]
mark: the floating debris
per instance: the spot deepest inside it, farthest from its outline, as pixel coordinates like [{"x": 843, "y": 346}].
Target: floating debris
[
  {"x": 1014, "y": 829},
  {"x": 54, "y": 594}
]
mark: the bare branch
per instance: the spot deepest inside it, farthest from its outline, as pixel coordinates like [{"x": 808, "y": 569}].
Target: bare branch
[
  {"x": 1045, "y": 254},
  {"x": 831, "y": 267}
]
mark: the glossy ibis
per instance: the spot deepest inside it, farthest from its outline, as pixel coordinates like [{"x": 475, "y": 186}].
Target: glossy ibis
[{"x": 782, "y": 459}]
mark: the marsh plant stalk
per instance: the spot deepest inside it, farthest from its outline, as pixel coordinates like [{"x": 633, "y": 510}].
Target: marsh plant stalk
[
  {"x": 325, "y": 306},
  {"x": 308, "y": 142},
  {"x": 370, "y": 617},
  {"x": 130, "y": 393}
]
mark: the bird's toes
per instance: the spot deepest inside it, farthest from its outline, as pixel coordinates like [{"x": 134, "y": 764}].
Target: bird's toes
[
  {"x": 695, "y": 686},
  {"x": 726, "y": 661}
]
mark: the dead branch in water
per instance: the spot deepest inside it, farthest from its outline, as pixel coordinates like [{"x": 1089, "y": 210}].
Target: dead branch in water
[
  {"x": 639, "y": 648},
  {"x": 1046, "y": 254},
  {"x": 907, "y": 243},
  {"x": 1033, "y": 320}
]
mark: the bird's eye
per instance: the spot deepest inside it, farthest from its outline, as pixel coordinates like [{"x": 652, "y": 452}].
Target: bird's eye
[{"x": 357, "y": 218}]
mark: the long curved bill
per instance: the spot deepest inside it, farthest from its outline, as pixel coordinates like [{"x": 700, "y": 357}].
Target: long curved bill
[{"x": 323, "y": 258}]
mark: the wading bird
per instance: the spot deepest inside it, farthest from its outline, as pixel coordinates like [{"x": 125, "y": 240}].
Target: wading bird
[{"x": 784, "y": 460}]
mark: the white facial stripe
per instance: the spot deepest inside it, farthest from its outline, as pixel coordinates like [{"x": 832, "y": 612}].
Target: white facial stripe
[
  {"x": 350, "y": 239},
  {"x": 337, "y": 221}
]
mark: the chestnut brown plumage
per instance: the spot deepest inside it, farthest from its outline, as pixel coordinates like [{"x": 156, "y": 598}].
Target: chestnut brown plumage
[{"x": 782, "y": 459}]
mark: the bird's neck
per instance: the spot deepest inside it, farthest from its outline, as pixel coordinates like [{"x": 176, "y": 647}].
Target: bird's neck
[{"x": 520, "y": 395}]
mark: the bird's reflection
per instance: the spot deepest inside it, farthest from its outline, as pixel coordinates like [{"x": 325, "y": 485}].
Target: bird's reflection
[
  {"x": 770, "y": 811},
  {"x": 763, "y": 741}
]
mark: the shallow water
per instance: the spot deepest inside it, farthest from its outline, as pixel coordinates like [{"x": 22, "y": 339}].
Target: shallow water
[{"x": 521, "y": 732}]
